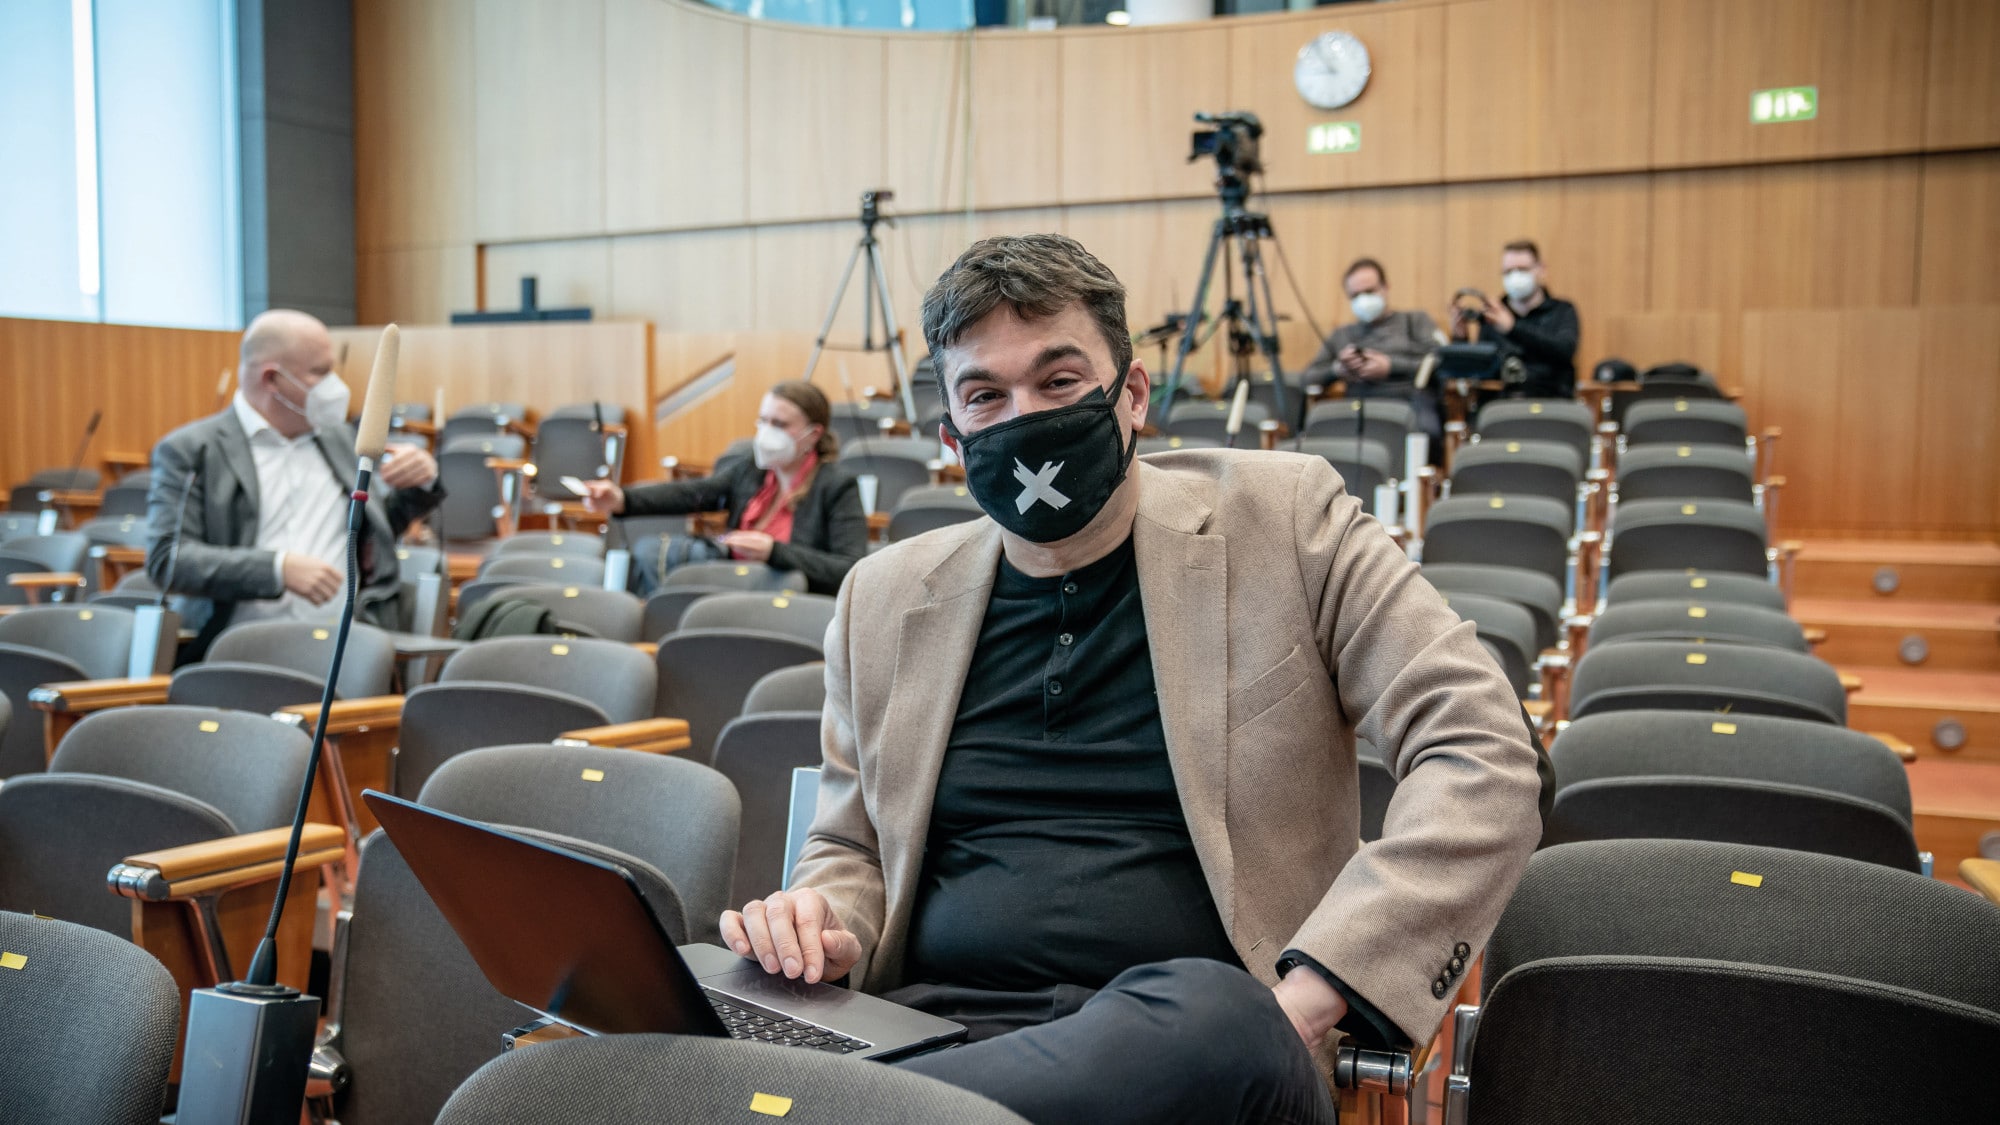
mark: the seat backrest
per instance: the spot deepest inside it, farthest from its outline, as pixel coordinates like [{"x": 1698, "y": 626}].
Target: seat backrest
[
  {"x": 679, "y": 817},
  {"x": 1682, "y": 586},
  {"x": 1772, "y": 814},
  {"x": 612, "y": 413},
  {"x": 257, "y": 688},
  {"x": 490, "y": 443},
  {"x": 664, "y": 610},
  {"x": 1385, "y": 420},
  {"x": 97, "y": 639},
  {"x": 473, "y": 502},
  {"x": 1686, "y": 421},
  {"x": 127, "y": 530},
  {"x": 894, "y": 475},
  {"x": 614, "y": 1080},
  {"x": 1571, "y": 423},
  {"x": 22, "y": 670},
  {"x": 63, "y": 832},
  {"x": 1531, "y": 532},
  {"x": 616, "y": 677},
  {"x": 417, "y": 560},
  {"x": 572, "y": 447},
  {"x": 801, "y": 687},
  {"x": 124, "y": 500},
  {"x": 60, "y": 551},
  {"x": 1723, "y": 622},
  {"x": 559, "y": 570},
  {"x": 1676, "y": 472},
  {"x": 1209, "y": 418},
  {"x": 613, "y": 615},
  {"x": 705, "y": 674},
  {"x": 249, "y": 767},
  {"x": 734, "y": 576},
  {"x": 1682, "y": 676},
  {"x": 1362, "y": 463},
  {"x": 95, "y": 1019},
  {"x": 16, "y": 524},
  {"x": 1515, "y": 466},
  {"x": 1378, "y": 788},
  {"x": 1539, "y": 594},
  {"x": 1507, "y": 627},
  {"x": 443, "y": 720},
  {"x": 758, "y": 753},
  {"x": 1707, "y": 535},
  {"x": 304, "y": 646},
  {"x": 805, "y": 616},
  {"x": 74, "y": 480},
  {"x": 546, "y": 543}
]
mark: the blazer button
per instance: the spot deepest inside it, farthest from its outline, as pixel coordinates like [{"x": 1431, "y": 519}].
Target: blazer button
[
  {"x": 1457, "y": 965},
  {"x": 1461, "y": 950},
  {"x": 1438, "y": 987}
]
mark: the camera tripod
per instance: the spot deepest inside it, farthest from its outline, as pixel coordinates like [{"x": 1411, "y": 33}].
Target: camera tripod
[
  {"x": 1251, "y": 321},
  {"x": 874, "y": 295}
]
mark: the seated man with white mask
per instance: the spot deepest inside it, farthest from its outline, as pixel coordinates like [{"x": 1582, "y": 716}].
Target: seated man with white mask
[
  {"x": 1089, "y": 781},
  {"x": 1529, "y": 322},
  {"x": 247, "y": 516},
  {"x": 1379, "y": 354}
]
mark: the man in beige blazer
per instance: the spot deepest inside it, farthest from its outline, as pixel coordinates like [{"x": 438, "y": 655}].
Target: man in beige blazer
[{"x": 1273, "y": 624}]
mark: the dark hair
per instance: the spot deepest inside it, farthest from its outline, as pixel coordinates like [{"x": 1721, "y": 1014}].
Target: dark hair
[
  {"x": 1365, "y": 264},
  {"x": 811, "y": 402},
  {"x": 1523, "y": 246},
  {"x": 1039, "y": 275}
]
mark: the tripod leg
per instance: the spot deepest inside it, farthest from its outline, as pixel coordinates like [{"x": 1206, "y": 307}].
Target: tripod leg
[
  {"x": 880, "y": 279},
  {"x": 833, "y": 310},
  {"x": 1193, "y": 325}
]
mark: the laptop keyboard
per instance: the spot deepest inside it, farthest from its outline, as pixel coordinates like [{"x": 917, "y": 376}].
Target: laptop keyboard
[{"x": 745, "y": 1022}]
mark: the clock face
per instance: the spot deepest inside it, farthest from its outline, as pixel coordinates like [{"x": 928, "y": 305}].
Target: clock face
[{"x": 1332, "y": 70}]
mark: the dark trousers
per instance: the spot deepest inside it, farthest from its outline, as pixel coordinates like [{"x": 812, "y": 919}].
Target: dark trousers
[{"x": 1176, "y": 1041}]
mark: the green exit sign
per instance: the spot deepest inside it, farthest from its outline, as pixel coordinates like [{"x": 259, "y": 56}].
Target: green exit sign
[
  {"x": 1786, "y": 103},
  {"x": 1333, "y": 136}
]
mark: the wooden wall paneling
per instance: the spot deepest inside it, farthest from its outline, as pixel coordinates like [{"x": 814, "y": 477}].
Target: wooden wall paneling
[
  {"x": 1646, "y": 339},
  {"x": 1957, "y": 416},
  {"x": 413, "y": 99},
  {"x": 692, "y": 281},
  {"x": 567, "y": 274},
  {"x": 1157, "y": 252},
  {"x": 797, "y": 268},
  {"x": 1783, "y": 350},
  {"x": 1866, "y": 56},
  {"x": 923, "y": 136},
  {"x": 539, "y": 133},
  {"x": 705, "y": 427},
  {"x": 147, "y": 381},
  {"x": 1535, "y": 87},
  {"x": 1323, "y": 232},
  {"x": 418, "y": 285},
  {"x": 1961, "y": 230},
  {"x": 1592, "y": 233},
  {"x": 1401, "y": 113},
  {"x": 675, "y": 147},
  {"x": 816, "y": 120},
  {"x": 1141, "y": 89},
  {"x": 920, "y": 248},
  {"x": 1962, "y": 103},
  {"x": 1017, "y": 113}
]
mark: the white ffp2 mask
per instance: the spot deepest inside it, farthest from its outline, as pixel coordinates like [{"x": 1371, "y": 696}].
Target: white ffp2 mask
[
  {"x": 326, "y": 401},
  {"x": 1519, "y": 284},
  {"x": 772, "y": 447},
  {"x": 1367, "y": 306}
]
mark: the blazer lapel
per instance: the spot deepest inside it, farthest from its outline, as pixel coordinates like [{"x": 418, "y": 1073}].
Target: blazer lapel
[
  {"x": 236, "y": 458},
  {"x": 933, "y": 653},
  {"x": 1183, "y": 585}
]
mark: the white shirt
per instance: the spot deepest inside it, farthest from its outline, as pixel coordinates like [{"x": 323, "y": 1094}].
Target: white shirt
[{"x": 301, "y": 509}]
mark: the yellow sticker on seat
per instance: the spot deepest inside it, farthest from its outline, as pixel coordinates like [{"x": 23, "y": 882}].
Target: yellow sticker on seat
[
  {"x": 1513, "y": 447},
  {"x": 1685, "y": 451},
  {"x": 1496, "y": 502},
  {"x": 559, "y": 650},
  {"x": 320, "y": 634},
  {"x": 555, "y": 540},
  {"x": 1697, "y": 611},
  {"x": 1698, "y": 583},
  {"x": 1723, "y": 728},
  {"x": 780, "y": 602},
  {"x": 555, "y": 564},
  {"x": 1745, "y": 879},
  {"x": 1697, "y": 658},
  {"x": 12, "y": 960},
  {"x": 960, "y": 491},
  {"x": 85, "y": 614},
  {"x": 569, "y": 592},
  {"x": 741, "y": 571},
  {"x": 1680, "y": 406},
  {"x": 770, "y": 1105},
  {"x": 210, "y": 726},
  {"x": 593, "y": 775},
  {"x": 1534, "y": 408},
  {"x": 1687, "y": 509}
]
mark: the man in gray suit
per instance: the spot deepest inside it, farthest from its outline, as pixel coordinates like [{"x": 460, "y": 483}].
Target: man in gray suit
[
  {"x": 262, "y": 520},
  {"x": 1089, "y": 777}
]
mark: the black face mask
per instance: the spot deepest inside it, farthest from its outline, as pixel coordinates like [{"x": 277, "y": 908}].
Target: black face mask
[{"x": 1045, "y": 476}]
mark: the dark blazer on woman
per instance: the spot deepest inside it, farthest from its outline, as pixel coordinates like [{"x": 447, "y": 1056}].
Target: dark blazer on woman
[{"x": 829, "y": 529}]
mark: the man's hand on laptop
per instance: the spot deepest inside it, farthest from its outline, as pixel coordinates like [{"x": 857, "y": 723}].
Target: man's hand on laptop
[{"x": 793, "y": 932}]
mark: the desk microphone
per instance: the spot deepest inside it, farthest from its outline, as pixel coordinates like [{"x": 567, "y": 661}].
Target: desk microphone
[
  {"x": 76, "y": 463},
  {"x": 249, "y": 1042},
  {"x": 174, "y": 536}
]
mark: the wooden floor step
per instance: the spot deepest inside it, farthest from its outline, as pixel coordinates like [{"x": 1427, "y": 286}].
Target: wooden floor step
[
  {"x": 1939, "y": 636},
  {"x": 1921, "y": 571},
  {"x": 1956, "y": 804},
  {"x": 1926, "y": 708}
]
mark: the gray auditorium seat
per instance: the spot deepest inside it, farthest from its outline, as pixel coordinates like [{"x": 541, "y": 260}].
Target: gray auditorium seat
[
  {"x": 1735, "y": 589},
  {"x": 1706, "y": 535},
  {"x": 1363, "y": 464},
  {"x": 443, "y": 720},
  {"x": 616, "y": 677},
  {"x": 1537, "y": 593},
  {"x": 1387, "y": 420},
  {"x": 1686, "y": 421},
  {"x": 1209, "y": 418},
  {"x": 551, "y": 543},
  {"x": 1507, "y": 631},
  {"x": 1522, "y": 467},
  {"x": 307, "y": 647},
  {"x": 1531, "y": 532},
  {"x": 257, "y": 688},
  {"x": 1686, "y": 472},
  {"x": 801, "y": 687},
  {"x": 930, "y": 507},
  {"x": 554, "y": 570},
  {"x": 1722, "y": 622},
  {"x": 705, "y": 674},
  {"x": 1677, "y": 676},
  {"x": 664, "y": 610},
  {"x": 805, "y": 616},
  {"x": 757, "y": 753},
  {"x": 612, "y": 615},
  {"x": 1571, "y": 423},
  {"x": 54, "y": 644},
  {"x": 725, "y": 575}
]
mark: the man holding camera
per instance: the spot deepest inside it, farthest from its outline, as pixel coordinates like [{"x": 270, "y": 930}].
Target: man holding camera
[
  {"x": 1529, "y": 323},
  {"x": 1380, "y": 353}
]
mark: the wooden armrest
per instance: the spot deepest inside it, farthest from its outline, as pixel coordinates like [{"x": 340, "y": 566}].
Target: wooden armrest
[
  {"x": 217, "y": 865},
  {"x": 1773, "y": 433},
  {"x": 678, "y": 469},
  {"x": 1902, "y": 749},
  {"x": 651, "y": 736},
  {"x": 1815, "y": 636},
  {"x": 73, "y": 497},
  {"x": 119, "y": 555},
  {"x": 417, "y": 426},
  {"x": 1983, "y": 874},
  {"x": 351, "y": 716},
  {"x": 508, "y": 464},
  {"x": 1537, "y": 709},
  {"x": 83, "y": 696},
  {"x": 1776, "y": 480},
  {"x": 46, "y": 580},
  {"x": 1850, "y": 683},
  {"x": 878, "y": 522},
  {"x": 650, "y": 648},
  {"x": 116, "y": 461}
]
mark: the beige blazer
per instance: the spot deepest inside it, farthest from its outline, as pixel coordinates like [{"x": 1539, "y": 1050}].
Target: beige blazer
[{"x": 1284, "y": 623}]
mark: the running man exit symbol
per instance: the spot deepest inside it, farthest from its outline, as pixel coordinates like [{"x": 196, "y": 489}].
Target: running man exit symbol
[{"x": 1787, "y": 103}]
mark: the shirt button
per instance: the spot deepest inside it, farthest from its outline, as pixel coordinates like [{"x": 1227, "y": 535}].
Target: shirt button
[
  {"x": 1066, "y": 640},
  {"x": 1055, "y": 687},
  {"x": 1069, "y": 587}
]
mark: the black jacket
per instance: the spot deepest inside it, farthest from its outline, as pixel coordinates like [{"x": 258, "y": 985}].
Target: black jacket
[
  {"x": 1545, "y": 338},
  {"x": 829, "y": 529}
]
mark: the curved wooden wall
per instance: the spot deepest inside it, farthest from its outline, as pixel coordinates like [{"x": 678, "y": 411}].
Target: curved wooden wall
[{"x": 662, "y": 161}]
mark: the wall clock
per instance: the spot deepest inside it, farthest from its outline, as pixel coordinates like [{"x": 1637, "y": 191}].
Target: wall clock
[{"x": 1332, "y": 70}]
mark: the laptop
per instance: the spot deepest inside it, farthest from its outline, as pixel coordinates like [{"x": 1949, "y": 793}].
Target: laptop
[{"x": 573, "y": 938}]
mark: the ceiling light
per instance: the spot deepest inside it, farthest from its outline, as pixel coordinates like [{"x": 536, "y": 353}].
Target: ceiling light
[{"x": 1118, "y": 19}]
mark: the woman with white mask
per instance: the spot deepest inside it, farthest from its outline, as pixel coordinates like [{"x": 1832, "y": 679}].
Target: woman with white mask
[{"x": 790, "y": 505}]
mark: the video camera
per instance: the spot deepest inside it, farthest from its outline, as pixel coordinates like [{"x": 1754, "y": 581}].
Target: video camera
[{"x": 1233, "y": 142}]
